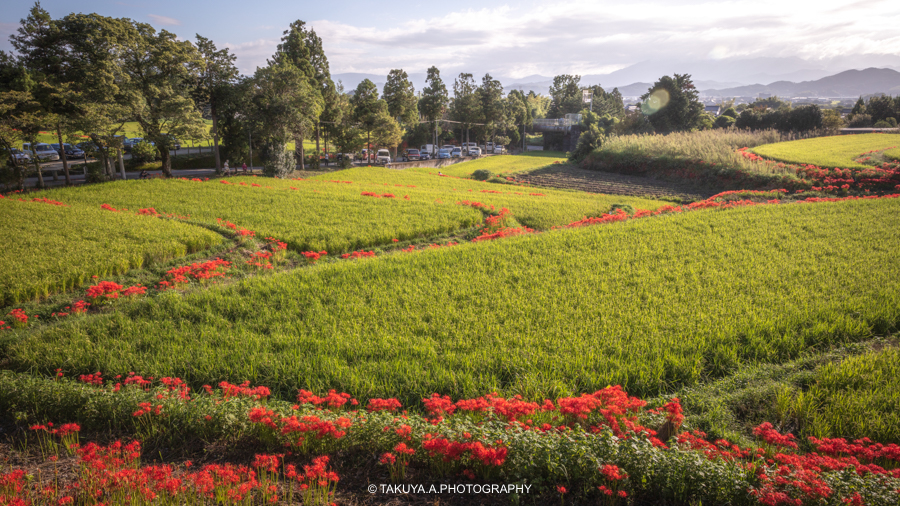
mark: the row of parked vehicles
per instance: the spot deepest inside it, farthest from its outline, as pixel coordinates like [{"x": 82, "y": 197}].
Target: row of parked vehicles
[
  {"x": 53, "y": 152},
  {"x": 429, "y": 151}
]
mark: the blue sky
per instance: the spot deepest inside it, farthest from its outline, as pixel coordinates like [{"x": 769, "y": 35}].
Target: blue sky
[{"x": 520, "y": 38}]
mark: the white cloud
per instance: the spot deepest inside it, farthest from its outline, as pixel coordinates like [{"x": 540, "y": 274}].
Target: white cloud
[
  {"x": 588, "y": 37},
  {"x": 164, "y": 20}
]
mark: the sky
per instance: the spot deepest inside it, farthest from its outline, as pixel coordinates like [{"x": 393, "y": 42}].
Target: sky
[{"x": 515, "y": 39}]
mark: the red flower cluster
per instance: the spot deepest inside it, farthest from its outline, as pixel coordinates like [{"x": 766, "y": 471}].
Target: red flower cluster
[
  {"x": 771, "y": 436},
  {"x": 506, "y": 232},
  {"x": 48, "y": 201},
  {"x": 197, "y": 270},
  {"x": 332, "y": 400},
  {"x": 312, "y": 256},
  {"x": 383, "y": 405},
  {"x": 148, "y": 212},
  {"x": 243, "y": 390},
  {"x": 451, "y": 451},
  {"x": 619, "y": 215},
  {"x": 108, "y": 290},
  {"x": 358, "y": 254}
]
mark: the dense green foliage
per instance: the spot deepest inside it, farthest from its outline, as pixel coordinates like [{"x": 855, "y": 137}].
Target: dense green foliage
[
  {"x": 839, "y": 151},
  {"x": 650, "y": 304},
  {"x": 54, "y": 248}
]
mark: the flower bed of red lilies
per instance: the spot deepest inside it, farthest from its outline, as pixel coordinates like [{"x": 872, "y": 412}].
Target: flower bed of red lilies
[{"x": 604, "y": 446}]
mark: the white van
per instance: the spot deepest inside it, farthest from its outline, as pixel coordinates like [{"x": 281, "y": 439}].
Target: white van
[{"x": 41, "y": 151}]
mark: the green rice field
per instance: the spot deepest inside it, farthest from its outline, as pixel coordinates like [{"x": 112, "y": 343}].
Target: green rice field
[
  {"x": 651, "y": 304},
  {"x": 51, "y": 248},
  {"x": 829, "y": 152}
]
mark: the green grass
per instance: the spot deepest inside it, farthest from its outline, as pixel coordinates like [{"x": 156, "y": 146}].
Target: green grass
[
  {"x": 893, "y": 154},
  {"x": 317, "y": 216},
  {"x": 652, "y": 304},
  {"x": 857, "y": 397},
  {"x": 51, "y": 248},
  {"x": 336, "y": 217},
  {"x": 498, "y": 165},
  {"x": 536, "y": 208},
  {"x": 828, "y": 152}
]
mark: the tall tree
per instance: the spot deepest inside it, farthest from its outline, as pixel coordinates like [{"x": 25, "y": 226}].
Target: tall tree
[
  {"x": 39, "y": 45},
  {"x": 162, "y": 69},
  {"x": 303, "y": 48},
  {"x": 400, "y": 95},
  {"x": 566, "y": 95},
  {"x": 104, "y": 91},
  {"x": 216, "y": 74},
  {"x": 466, "y": 105},
  {"x": 859, "y": 108},
  {"x": 279, "y": 94},
  {"x": 490, "y": 94},
  {"x": 366, "y": 109},
  {"x": 604, "y": 102},
  {"x": 672, "y": 104},
  {"x": 434, "y": 100}
]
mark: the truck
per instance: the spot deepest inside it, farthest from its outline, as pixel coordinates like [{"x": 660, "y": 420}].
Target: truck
[{"x": 431, "y": 149}]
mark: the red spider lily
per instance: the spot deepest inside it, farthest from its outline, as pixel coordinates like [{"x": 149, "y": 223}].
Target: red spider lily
[
  {"x": 383, "y": 405},
  {"x": 244, "y": 390},
  {"x": 771, "y": 436},
  {"x": 109, "y": 208},
  {"x": 148, "y": 212},
  {"x": 48, "y": 201},
  {"x": 358, "y": 254},
  {"x": 333, "y": 399},
  {"x": 313, "y": 256}
]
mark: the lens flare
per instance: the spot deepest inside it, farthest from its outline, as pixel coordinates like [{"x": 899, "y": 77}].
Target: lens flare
[{"x": 656, "y": 101}]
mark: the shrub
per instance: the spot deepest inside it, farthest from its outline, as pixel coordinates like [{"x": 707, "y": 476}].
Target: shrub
[
  {"x": 144, "y": 152},
  {"x": 861, "y": 121},
  {"x": 481, "y": 175}
]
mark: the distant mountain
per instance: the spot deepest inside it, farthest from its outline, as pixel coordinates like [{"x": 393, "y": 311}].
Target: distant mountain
[{"x": 850, "y": 83}]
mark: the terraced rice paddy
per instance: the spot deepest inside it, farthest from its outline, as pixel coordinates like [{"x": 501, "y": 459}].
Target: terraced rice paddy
[
  {"x": 52, "y": 248},
  {"x": 651, "y": 304},
  {"x": 830, "y": 152}
]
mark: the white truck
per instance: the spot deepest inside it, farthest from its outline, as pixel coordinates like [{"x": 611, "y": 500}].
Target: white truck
[{"x": 431, "y": 149}]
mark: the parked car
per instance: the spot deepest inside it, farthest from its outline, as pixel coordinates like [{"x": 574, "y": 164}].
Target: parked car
[
  {"x": 429, "y": 149},
  {"x": 20, "y": 156},
  {"x": 424, "y": 156},
  {"x": 489, "y": 147},
  {"x": 41, "y": 151},
  {"x": 498, "y": 149},
  {"x": 73, "y": 152},
  {"x": 474, "y": 152},
  {"x": 443, "y": 153},
  {"x": 344, "y": 156},
  {"x": 383, "y": 156},
  {"x": 87, "y": 147},
  {"x": 411, "y": 154},
  {"x": 70, "y": 151},
  {"x": 456, "y": 153}
]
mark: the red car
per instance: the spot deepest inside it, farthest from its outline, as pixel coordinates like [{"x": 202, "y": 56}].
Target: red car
[{"x": 411, "y": 154}]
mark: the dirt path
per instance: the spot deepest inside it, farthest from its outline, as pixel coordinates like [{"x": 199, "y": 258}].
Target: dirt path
[{"x": 572, "y": 178}]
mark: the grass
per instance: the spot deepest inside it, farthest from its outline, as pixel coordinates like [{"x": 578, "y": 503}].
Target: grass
[
  {"x": 893, "y": 154},
  {"x": 499, "y": 165},
  {"x": 317, "y": 214},
  {"x": 856, "y": 397},
  {"x": 831, "y": 152},
  {"x": 52, "y": 248},
  {"x": 653, "y": 305},
  {"x": 540, "y": 208}
]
